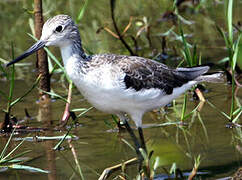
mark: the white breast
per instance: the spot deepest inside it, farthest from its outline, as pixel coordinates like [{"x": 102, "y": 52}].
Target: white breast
[{"x": 105, "y": 89}]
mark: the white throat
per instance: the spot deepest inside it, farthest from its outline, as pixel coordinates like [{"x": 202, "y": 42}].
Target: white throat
[{"x": 66, "y": 53}]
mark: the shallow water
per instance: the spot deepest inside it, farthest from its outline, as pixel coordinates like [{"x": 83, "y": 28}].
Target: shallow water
[{"x": 97, "y": 147}]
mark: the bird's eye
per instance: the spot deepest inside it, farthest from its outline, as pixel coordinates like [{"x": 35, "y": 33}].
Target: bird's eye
[{"x": 58, "y": 29}]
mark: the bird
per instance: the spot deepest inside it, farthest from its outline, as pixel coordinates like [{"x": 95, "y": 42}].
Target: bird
[{"x": 116, "y": 84}]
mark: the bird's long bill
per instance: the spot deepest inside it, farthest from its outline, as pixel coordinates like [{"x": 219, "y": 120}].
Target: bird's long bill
[{"x": 38, "y": 45}]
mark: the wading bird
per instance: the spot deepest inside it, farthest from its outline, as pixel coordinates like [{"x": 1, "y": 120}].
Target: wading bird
[{"x": 116, "y": 84}]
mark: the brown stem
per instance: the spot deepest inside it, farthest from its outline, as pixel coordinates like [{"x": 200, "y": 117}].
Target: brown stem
[
  {"x": 42, "y": 63},
  {"x": 112, "y": 2},
  {"x": 106, "y": 173},
  {"x": 193, "y": 174},
  {"x": 235, "y": 79},
  {"x": 67, "y": 113},
  {"x": 6, "y": 126},
  {"x": 200, "y": 95}
]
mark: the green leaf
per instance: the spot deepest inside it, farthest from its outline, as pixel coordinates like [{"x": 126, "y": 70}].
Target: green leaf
[
  {"x": 14, "y": 159},
  {"x": 9, "y": 154},
  {"x": 236, "y": 50},
  {"x": 229, "y": 20},
  {"x": 28, "y": 168},
  {"x": 223, "y": 113},
  {"x": 223, "y": 35},
  {"x": 184, "y": 107},
  {"x": 194, "y": 57},
  {"x": 79, "y": 109},
  {"x": 237, "y": 111},
  {"x": 43, "y": 138},
  {"x": 16, "y": 64},
  {"x": 82, "y": 11},
  {"x": 84, "y": 112},
  {"x": 126, "y": 142},
  {"x": 55, "y": 95},
  {"x": 187, "y": 53},
  {"x": 20, "y": 98},
  {"x": 237, "y": 117},
  {"x": 226, "y": 59},
  {"x": 6, "y": 145}
]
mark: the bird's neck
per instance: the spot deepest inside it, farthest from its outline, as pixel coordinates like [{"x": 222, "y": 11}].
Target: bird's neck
[{"x": 73, "y": 51}]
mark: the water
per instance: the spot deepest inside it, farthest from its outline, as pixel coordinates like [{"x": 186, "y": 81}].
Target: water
[{"x": 97, "y": 148}]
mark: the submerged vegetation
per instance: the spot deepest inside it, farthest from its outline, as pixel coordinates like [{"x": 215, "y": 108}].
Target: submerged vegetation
[{"x": 179, "y": 138}]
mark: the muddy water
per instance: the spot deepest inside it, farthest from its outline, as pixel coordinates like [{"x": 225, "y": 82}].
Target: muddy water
[{"x": 97, "y": 147}]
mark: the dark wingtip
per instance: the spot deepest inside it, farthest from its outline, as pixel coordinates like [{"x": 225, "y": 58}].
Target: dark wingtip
[{"x": 193, "y": 72}]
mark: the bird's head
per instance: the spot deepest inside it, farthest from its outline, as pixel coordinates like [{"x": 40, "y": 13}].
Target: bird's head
[{"x": 57, "y": 31}]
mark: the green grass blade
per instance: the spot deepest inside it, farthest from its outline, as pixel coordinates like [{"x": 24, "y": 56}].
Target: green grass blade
[
  {"x": 11, "y": 152},
  {"x": 84, "y": 112},
  {"x": 44, "y": 138},
  {"x": 126, "y": 142},
  {"x": 4, "y": 94},
  {"x": 11, "y": 83},
  {"x": 10, "y": 96},
  {"x": 237, "y": 111},
  {"x": 28, "y": 168},
  {"x": 236, "y": 50},
  {"x": 70, "y": 164},
  {"x": 62, "y": 140},
  {"x": 14, "y": 158},
  {"x": 186, "y": 50},
  {"x": 3, "y": 70},
  {"x": 82, "y": 11},
  {"x": 55, "y": 95},
  {"x": 182, "y": 19},
  {"x": 184, "y": 107},
  {"x": 226, "y": 59},
  {"x": 194, "y": 57},
  {"x": 222, "y": 33},
  {"x": 79, "y": 109},
  {"x": 223, "y": 113},
  {"x": 193, "y": 111},
  {"x": 16, "y": 64},
  {"x": 6, "y": 145},
  {"x": 20, "y": 98},
  {"x": 229, "y": 21},
  {"x": 203, "y": 125},
  {"x": 237, "y": 117},
  {"x": 52, "y": 56}
]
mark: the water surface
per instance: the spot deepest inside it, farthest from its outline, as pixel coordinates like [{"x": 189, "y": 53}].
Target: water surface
[{"x": 98, "y": 148}]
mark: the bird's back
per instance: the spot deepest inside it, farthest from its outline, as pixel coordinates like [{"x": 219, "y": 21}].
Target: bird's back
[{"x": 140, "y": 73}]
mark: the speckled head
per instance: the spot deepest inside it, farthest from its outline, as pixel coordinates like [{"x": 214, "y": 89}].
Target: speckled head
[{"x": 57, "y": 31}]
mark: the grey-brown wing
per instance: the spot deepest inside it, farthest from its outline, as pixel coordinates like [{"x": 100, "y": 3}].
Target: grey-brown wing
[{"x": 144, "y": 73}]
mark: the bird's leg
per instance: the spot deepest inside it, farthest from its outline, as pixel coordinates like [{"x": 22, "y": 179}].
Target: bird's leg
[
  {"x": 125, "y": 123},
  {"x": 123, "y": 119},
  {"x": 141, "y": 135},
  {"x": 134, "y": 138},
  {"x": 136, "y": 142}
]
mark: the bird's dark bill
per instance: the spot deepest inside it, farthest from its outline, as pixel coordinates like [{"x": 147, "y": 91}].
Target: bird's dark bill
[{"x": 38, "y": 45}]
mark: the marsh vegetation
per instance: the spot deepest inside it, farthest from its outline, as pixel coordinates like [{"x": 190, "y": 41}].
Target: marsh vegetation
[{"x": 195, "y": 137}]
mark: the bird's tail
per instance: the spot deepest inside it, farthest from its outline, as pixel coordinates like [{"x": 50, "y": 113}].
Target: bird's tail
[
  {"x": 199, "y": 74},
  {"x": 193, "y": 72},
  {"x": 217, "y": 77}
]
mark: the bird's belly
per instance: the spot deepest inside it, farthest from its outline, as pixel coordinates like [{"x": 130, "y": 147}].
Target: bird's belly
[
  {"x": 107, "y": 100},
  {"x": 118, "y": 99}
]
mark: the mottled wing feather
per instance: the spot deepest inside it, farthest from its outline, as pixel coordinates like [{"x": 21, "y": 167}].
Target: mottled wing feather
[
  {"x": 144, "y": 73},
  {"x": 141, "y": 73}
]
